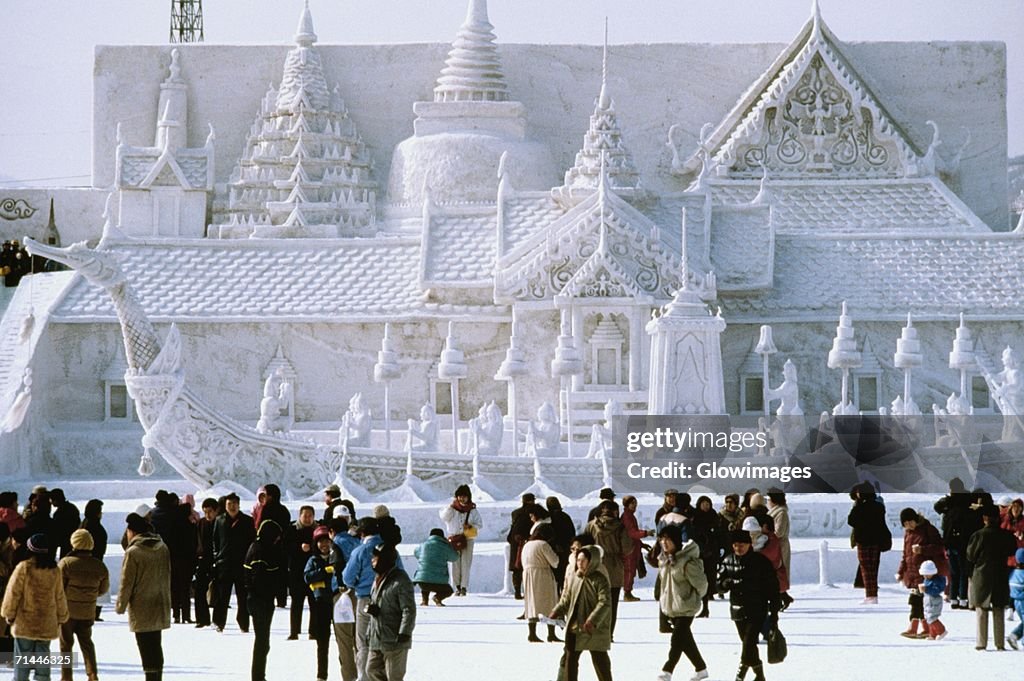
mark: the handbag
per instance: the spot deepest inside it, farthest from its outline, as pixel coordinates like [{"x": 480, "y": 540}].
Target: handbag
[
  {"x": 776, "y": 646},
  {"x": 468, "y": 530},
  {"x": 458, "y": 541}
]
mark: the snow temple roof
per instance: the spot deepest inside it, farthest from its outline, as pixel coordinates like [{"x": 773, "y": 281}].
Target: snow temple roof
[
  {"x": 881, "y": 278},
  {"x": 240, "y": 280}
]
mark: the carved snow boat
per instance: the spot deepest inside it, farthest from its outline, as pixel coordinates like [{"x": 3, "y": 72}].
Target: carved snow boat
[{"x": 206, "y": 447}]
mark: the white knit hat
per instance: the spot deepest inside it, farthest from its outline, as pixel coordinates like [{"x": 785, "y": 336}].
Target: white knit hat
[
  {"x": 928, "y": 568},
  {"x": 750, "y": 524}
]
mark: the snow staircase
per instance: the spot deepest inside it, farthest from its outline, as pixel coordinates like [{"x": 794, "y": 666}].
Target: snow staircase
[
  {"x": 35, "y": 296},
  {"x": 588, "y": 408}
]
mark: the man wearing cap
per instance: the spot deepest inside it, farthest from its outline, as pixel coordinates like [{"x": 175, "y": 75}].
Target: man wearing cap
[
  {"x": 332, "y": 499},
  {"x": 145, "y": 592},
  {"x": 85, "y": 579},
  {"x": 518, "y": 533},
  {"x": 606, "y": 494},
  {"x": 753, "y": 590},
  {"x": 392, "y": 611},
  {"x": 233, "y": 532}
]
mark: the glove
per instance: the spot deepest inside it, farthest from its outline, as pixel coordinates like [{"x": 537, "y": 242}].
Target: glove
[
  {"x": 404, "y": 638},
  {"x": 329, "y": 569}
]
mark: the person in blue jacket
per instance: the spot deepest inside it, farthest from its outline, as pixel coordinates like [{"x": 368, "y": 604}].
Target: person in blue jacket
[
  {"x": 321, "y": 574},
  {"x": 1017, "y": 596},
  {"x": 432, "y": 573}
]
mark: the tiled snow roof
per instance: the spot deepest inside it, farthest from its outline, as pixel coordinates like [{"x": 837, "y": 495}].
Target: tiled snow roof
[
  {"x": 526, "y": 214},
  {"x": 741, "y": 248},
  {"x": 857, "y": 207},
  {"x": 460, "y": 248},
  {"x": 250, "y": 279},
  {"x": 887, "y": 277}
]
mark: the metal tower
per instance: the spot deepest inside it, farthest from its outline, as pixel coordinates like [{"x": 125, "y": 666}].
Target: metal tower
[{"x": 186, "y": 21}]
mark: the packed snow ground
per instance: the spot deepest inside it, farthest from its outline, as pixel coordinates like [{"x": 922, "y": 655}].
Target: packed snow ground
[{"x": 477, "y": 638}]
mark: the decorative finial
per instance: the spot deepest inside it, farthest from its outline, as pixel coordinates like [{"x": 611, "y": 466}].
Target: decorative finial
[
  {"x": 604, "y": 101},
  {"x": 476, "y": 14},
  {"x": 119, "y": 134},
  {"x": 175, "y": 68},
  {"x": 211, "y": 136},
  {"x": 305, "y": 36},
  {"x": 685, "y": 265},
  {"x": 816, "y": 20},
  {"x": 910, "y": 324},
  {"x": 602, "y": 180},
  {"x": 844, "y": 309}
]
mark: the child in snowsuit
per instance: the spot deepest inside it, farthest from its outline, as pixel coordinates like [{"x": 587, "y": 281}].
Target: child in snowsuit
[
  {"x": 1017, "y": 596},
  {"x": 932, "y": 588}
]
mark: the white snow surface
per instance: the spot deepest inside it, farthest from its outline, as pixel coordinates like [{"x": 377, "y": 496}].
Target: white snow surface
[{"x": 477, "y": 638}]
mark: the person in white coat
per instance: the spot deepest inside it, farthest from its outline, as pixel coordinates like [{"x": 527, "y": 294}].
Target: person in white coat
[{"x": 462, "y": 522}]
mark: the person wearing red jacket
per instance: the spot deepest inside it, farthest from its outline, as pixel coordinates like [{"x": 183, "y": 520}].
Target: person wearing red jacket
[
  {"x": 921, "y": 542},
  {"x": 634, "y": 557}
]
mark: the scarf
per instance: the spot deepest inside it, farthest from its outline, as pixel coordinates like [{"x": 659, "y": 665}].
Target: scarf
[{"x": 463, "y": 509}]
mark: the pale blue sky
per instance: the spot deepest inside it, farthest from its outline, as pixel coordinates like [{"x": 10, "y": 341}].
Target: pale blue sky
[{"x": 46, "y": 52}]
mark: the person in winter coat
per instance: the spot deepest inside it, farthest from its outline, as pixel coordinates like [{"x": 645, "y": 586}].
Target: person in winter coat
[
  {"x": 1013, "y": 522},
  {"x": 392, "y": 610},
  {"x": 64, "y": 521},
  {"x": 764, "y": 541},
  {"x": 539, "y": 588},
  {"x": 585, "y": 606},
  {"x": 779, "y": 513},
  {"x": 35, "y": 605},
  {"x": 85, "y": 579},
  {"x": 753, "y": 587},
  {"x": 635, "y": 556},
  {"x": 563, "y": 529},
  {"x": 683, "y": 588},
  {"x": 871, "y": 536},
  {"x": 609, "y": 533},
  {"x": 461, "y": 517},
  {"x": 921, "y": 542},
  {"x": 145, "y": 592},
  {"x": 9, "y": 511},
  {"x": 264, "y": 574},
  {"x": 959, "y": 522},
  {"x": 170, "y": 521},
  {"x": 233, "y": 533},
  {"x": 1017, "y": 596},
  {"x": 668, "y": 505},
  {"x": 707, "y": 529},
  {"x": 990, "y": 591},
  {"x": 274, "y": 510},
  {"x": 299, "y": 547},
  {"x": 321, "y": 574},
  {"x": 932, "y": 587},
  {"x": 204, "y": 571},
  {"x": 433, "y": 557},
  {"x": 518, "y": 533}
]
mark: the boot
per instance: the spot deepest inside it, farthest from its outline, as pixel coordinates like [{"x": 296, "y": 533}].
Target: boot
[
  {"x": 758, "y": 672},
  {"x": 912, "y": 631},
  {"x": 742, "y": 673},
  {"x": 998, "y": 628},
  {"x": 423, "y": 601},
  {"x": 533, "y": 638},
  {"x": 982, "y": 617},
  {"x": 936, "y": 631},
  {"x": 705, "y": 612},
  {"x": 551, "y": 635},
  {"x": 98, "y": 609},
  {"x": 154, "y": 676}
]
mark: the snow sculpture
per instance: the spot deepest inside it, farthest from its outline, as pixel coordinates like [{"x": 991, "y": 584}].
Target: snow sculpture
[
  {"x": 787, "y": 431},
  {"x": 487, "y": 430},
  {"x": 953, "y": 425},
  {"x": 544, "y": 435},
  {"x": 1007, "y": 389},
  {"x": 567, "y": 364},
  {"x": 908, "y": 355},
  {"x": 513, "y": 365},
  {"x": 601, "y": 433},
  {"x": 386, "y": 370},
  {"x": 963, "y": 358},
  {"x": 356, "y": 424},
  {"x": 453, "y": 367},
  {"x": 275, "y": 406},
  {"x": 19, "y": 408},
  {"x": 423, "y": 434},
  {"x": 844, "y": 355}
]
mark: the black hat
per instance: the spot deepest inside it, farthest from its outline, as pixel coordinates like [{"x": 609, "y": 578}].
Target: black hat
[
  {"x": 528, "y": 498},
  {"x": 606, "y": 493},
  {"x": 137, "y": 524},
  {"x": 739, "y": 537}
]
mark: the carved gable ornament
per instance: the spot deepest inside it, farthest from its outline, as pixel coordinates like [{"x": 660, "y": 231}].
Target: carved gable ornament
[{"x": 811, "y": 115}]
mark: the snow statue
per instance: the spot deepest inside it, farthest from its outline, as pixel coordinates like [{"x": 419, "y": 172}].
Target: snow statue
[
  {"x": 787, "y": 431},
  {"x": 275, "y": 406},
  {"x": 544, "y": 435},
  {"x": 908, "y": 356},
  {"x": 423, "y": 434},
  {"x": 487, "y": 430},
  {"x": 1007, "y": 389},
  {"x": 844, "y": 355},
  {"x": 356, "y": 424},
  {"x": 19, "y": 408},
  {"x": 601, "y": 433},
  {"x": 953, "y": 425}
]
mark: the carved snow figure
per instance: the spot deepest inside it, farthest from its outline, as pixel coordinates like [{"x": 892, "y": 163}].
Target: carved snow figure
[
  {"x": 423, "y": 434},
  {"x": 953, "y": 426},
  {"x": 356, "y": 424},
  {"x": 787, "y": 431},
  {"x": 274, "y": 407},
  {"x": 487, "y": 430},
  {"x": 16, "y": 414},
  {"x": 601, "y": 433},
  {"x": 1008, "y": 392},
  {"x": 545, "y": 434}
]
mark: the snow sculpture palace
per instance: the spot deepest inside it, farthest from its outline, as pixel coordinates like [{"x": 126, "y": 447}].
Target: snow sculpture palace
[{"x": 444, "y": 251}]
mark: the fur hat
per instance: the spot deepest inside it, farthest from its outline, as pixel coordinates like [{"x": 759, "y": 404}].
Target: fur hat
[
  {"x": 381, "y": 511},
  {"x": 321, "y": 532},
  {"x": 81, "y": 540},
  {"x": 928, "y": 569},
  {"x": 143, "y": 510}
]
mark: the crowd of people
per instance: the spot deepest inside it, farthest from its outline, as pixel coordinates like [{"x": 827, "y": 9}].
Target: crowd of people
[{"x": 183, "y": 566}]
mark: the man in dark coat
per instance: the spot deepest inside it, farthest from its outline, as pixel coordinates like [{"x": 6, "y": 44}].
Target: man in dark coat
[
  {"x": 518, "y": 533},
  {"x": 959, "y": 522},
  {"x": 753, "y": 589},
  {"x": 393, "y": 616},
  {"x": 562, "y": 531},
  {"x": 264, "y": 574},
  {"x": 64, "y": 521},
  {"x": 204, "y": 562},
  {"x": 990, "y": 589},
  {"x": 274, "y": 510},
  {"x": 233, "y": 532},
  {"x": 299, "y": 547},
  {"x": 871, "y": 536},
  {"x": 170, "y": 521}
]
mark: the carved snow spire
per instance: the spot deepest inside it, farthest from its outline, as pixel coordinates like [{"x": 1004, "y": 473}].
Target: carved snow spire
[
  {"x": 303, "y": 83},
  {"x": 172, "y": 109},
  {"x": 473, "y": 71},
  {"x": 604, "y": 136}
]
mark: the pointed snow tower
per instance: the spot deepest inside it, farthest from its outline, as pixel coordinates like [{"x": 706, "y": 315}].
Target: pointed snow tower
[
  {"x": 603, "y": 138},
  {"x": 305, "y": 171},
  {"x": 460, "y": 136},
  {"x": 686, "y": 354}
]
